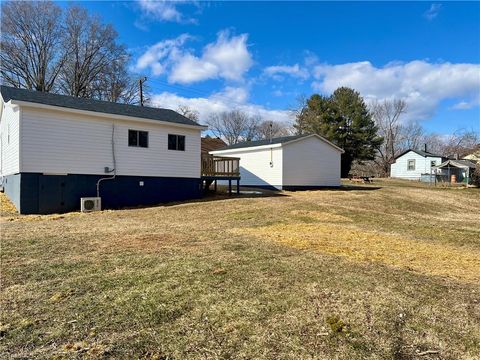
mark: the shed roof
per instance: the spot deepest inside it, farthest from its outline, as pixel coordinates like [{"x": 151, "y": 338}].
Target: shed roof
[
  {"x": 106, "y": 107},
  {"x": 458, "y": 163},
  {"x": 276, "y": 140},
  {"x": 211, "y": 144}
]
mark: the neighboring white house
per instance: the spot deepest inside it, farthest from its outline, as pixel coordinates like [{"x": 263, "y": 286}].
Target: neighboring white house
[
  {"x": 291, "y": 162},
  {"x": 411, "y": 164},
  {"x": 54, "y": 149}
]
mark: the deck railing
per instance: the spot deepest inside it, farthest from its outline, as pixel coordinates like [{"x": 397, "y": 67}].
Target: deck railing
[{"x": 220, "y": 166}]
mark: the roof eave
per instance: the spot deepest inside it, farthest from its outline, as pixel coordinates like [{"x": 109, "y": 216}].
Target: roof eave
[
  {"x": 318, "y": 137},
  {"x": 245, "y": 148},
  {"x": 104, "y": 115}
]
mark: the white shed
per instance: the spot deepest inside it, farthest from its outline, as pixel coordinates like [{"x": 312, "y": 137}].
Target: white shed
[{"x": 291, "y": 162}]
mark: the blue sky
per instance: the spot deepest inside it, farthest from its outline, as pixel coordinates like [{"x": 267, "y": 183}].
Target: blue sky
[{"x": 261, "y": 56}]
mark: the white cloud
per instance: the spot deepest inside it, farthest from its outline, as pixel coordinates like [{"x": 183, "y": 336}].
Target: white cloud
[
  {"x": 277, "y": 71},
  {"x": 432, "y": 12},
  {"x": 163, "y": 10},
  {"x": 423, "y": 85},
  {"x": 227, "y": 58},
  {"x": 226, "y": 100},
  {"x": 158, "y": 56}
]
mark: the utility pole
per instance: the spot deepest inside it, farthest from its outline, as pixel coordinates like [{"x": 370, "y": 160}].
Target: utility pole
[
  {"x": 140, "y": 83},
  {"x": 271, "y": 131}
]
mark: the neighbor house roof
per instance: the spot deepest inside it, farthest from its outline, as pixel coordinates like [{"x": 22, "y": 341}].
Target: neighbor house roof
[
  {"x": 458, "y": 163},
  {"x": 106, "y": 107},
  {"x": 211, "y": 144},
  {"x": 277, "y": 141},
  {"x": 421, "y": 153}
]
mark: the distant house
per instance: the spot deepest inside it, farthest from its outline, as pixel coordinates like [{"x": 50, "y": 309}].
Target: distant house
[
  {"x": 291, "y": 162},
  {"x": 211, "y": 144},
  {"x": 474, "y": 156},
  {"x": 411, "y": 164},
  {"x": 54, "y": 149}
]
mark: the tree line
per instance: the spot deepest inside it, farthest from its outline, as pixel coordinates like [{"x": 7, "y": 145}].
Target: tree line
[
  {"x": 372, "y": 136},
  {"x": 69, "y": 51},
  {"x": 66, "y": 51}
]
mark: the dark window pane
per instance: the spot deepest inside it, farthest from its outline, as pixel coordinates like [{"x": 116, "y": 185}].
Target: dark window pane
[
  {"x": 181, "y": 143},
  {"x": 172, "y": 142},
  {"x": 143, "y": 139},
  {"x": 132, "y": 138}
]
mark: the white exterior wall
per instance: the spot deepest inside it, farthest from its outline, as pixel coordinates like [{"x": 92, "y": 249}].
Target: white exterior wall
[
  {"x": 311, "y": 162},
  {"x": 399, "y": 169},
  {"x": 60, "y": 142},
  {"x": 255, "y": 169},
  {"x": 9, "y": 139}
]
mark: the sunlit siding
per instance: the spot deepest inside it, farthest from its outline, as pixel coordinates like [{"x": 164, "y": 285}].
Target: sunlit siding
[
  {"x": 60, "y": 142},
  {"x": 399, "y": 169},
  {"x": 311, "y": 162},
  {"x": 9, "y": 140},
  {"x": 255, "y": 167}
]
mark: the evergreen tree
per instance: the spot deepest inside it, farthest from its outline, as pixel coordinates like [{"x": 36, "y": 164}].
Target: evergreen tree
[{"x": 342, "y": 118}]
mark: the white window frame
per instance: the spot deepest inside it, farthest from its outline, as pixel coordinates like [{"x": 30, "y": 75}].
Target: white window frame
[{"x": 408, "y": 165}]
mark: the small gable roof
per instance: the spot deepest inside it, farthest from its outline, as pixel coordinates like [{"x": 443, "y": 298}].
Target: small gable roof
[
  {"x": 277, "y": 140},
  {"x": 106, "y": 107},
  {"x": 211, "y": 144},
  {"x": 419, "y": 152}
]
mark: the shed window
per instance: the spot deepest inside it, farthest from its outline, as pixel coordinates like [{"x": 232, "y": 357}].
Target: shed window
[
  {"x": 176, "y": 142},
  {"x": 138, "y": 138},
  {"x": 433, "y": 163},
  {"x": 411, "y": 165}
]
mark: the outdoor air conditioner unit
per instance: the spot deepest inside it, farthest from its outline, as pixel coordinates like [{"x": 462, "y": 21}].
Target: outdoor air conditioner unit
[{"x": 89, "y": 204}]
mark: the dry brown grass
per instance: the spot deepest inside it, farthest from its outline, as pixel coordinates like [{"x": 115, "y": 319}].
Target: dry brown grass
[
  {"x": 385, "y": 273},
  {"x": 365, "y": 246}
]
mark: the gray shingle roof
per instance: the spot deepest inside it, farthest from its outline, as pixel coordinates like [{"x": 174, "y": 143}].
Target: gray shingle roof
[
  {"x": 277, "y": 140},
  {"x": 421, "y": 153},
  {"x": 106, "y": 107}
]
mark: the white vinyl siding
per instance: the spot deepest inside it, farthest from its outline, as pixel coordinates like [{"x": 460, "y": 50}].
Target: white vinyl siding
[
  {"x": 311, "y": 162},
  {"x": 60, "y": 142},
  {"x": 10, "y": 140},
  {"x": 255, "y": 168},
  {"x": 423, "y": 165},
  {"x": 306, "y": 162}
]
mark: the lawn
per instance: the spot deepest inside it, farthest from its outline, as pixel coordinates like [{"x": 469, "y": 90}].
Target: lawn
[{"x": 383, "y": 271}]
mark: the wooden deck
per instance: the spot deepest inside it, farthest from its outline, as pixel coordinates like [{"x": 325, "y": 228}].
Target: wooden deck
[{"x": 216, "y": 168}]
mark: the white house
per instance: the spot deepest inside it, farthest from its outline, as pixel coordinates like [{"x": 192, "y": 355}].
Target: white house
[
  {"x": 54, "y": 149},
  {"x": 291, "y": 162},
  {"x": 411, "y": 164}
]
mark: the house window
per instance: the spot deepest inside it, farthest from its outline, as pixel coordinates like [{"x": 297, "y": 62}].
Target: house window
[
  {"x": 138, "y": 138},
  {"x": 411, "y": 165},
  {"x": 433, "y": 163},
  {"x": 176, "y": 142}
]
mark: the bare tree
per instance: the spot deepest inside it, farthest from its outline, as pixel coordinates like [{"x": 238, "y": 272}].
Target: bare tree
[
  {"x": 461, "y": 143},
  {"x": 267, "y": 129},
  {"x": 233, "y": 126},
  {"x": 188, "y": 112},
  {"x": 92, "y": 53},
  {"x": 31, "y": 55},
  {"x": 386, "y": 115},
  {"x": 411, "y": 136}
]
